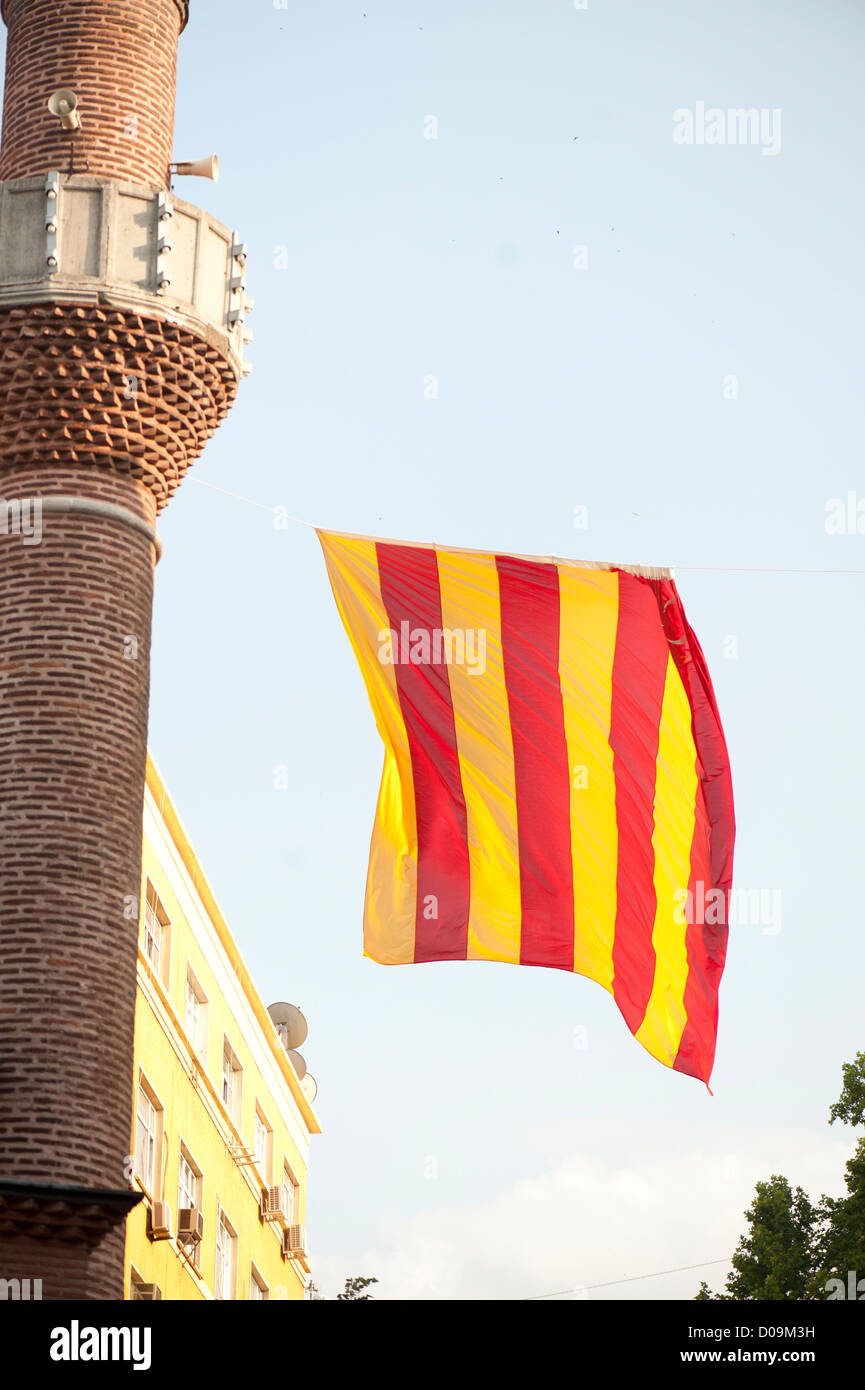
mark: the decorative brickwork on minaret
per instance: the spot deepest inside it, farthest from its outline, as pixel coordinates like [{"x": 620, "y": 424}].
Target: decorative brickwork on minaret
[
  {"x": 110, "y": 384},
  {"x": 65, "y": 393}
]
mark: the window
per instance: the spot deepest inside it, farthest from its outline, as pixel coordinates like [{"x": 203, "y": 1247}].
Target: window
[
  {"x": 148, "y": 1136},
  {"x": 189, "y": 1194},
  {"x": 291, "y": 1191},
  {"x": 232, "y": 1082},
  {"x": 258, "y": 1290},
  {"x": 156, "y": 934},
  {"x": 263, "y": 1146},
  {"x": 188, "y": 1181},
  {"x": 152, "y": 936},
  {"x": 196, "y": 1014},
  {"x": 226, "y": 1258},
  {"x": 140, "y": 1290}
]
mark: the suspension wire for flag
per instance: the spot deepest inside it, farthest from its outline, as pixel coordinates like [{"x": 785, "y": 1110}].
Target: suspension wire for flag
[
  {"x": 685, "y": 569},
  {"x": 262, "y": 506},
  {"x": 632, "y": 1279}
]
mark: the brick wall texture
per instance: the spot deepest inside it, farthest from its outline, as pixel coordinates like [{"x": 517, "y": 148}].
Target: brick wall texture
[
  {"x": 69, "y": 1269},
  {"x": 115, "y": 406},
  {"x": 74, "y": 680},
  {"x": 75, "y": 615},
  {"x": 120, "y": 58}
]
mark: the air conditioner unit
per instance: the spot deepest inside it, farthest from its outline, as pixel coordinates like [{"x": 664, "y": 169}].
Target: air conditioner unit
[
  {"x": 160, "y": 1221},
  {"x": 273, "y": 1204},
  {"x": 294, "y": 1242},
  {"x": 190, "y": 1225},
  {"x": 148, "y": 1291}
]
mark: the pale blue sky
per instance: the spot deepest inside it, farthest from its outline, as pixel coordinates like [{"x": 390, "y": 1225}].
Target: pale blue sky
[{"x": 407, "y": 257}]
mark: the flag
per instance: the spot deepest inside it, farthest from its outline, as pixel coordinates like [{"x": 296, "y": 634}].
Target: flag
[{"x": 556, "y": 787}]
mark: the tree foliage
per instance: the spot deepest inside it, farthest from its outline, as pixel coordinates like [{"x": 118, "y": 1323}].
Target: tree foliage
[
  {"x": 843, "y": 1242},
  {"x": 849, "y": 1108},
  {"x": 843, "y": 1234},
  {"x": 774, "y": 1259},
  {"x": 792, "y": 1246},
  {"x": 354, "y": 1289}
]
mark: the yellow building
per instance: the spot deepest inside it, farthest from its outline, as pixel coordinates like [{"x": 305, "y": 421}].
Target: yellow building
[{"x": 221, "y": 1117}]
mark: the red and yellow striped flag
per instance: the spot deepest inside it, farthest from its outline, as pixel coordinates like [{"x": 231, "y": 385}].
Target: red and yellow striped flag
[{"x": 556, "y": 788}]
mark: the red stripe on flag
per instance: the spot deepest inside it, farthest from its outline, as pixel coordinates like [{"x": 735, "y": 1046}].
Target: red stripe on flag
[
  {"x": 697, "y": 1044},
  {"x": 410, "y": 591},
  {"x": 708, "y": 734},
  {"x": 530, "y": 647},
  {"x": 712, "y": 860},
  {"x": 639, "y": 674}
]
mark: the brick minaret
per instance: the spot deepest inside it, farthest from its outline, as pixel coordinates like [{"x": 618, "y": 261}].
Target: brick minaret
[{"x": 121, "y": 342}]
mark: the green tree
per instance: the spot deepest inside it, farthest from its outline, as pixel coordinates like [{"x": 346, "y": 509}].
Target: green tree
[
  {"x": 774, "y": 1260},
  {"x": 792, "y": 1247},
  {"x": 842, "y": 1240},
  {"x": 354, "y": 1289},
  {"x": 849, "y": 1108}
]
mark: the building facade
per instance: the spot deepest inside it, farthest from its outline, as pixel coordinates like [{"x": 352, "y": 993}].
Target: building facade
[{"x": 221, "y": 1117}]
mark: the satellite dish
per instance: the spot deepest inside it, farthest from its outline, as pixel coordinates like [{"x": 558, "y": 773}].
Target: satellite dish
[
  {"x": 199, "y": 168},
  {"x": 64, "y": 105},
  {"x": 309, "y": 1086},
  {"x": 290, "y": 1023},
  {"x": 297, "y": 1062}
]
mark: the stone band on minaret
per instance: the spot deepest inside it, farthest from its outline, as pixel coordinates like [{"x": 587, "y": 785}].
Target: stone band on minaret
[{"x": 121, "y": 341}]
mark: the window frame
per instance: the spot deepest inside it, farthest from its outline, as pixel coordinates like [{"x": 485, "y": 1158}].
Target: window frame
[
  {"x": 234, "y": 1082},
  {"x": 257, "y": 1281},
  {"x": 291, "y": 1190},
  {"x": 198, "y": 1037},
  {"x": 186, "y": 1158},
  {"x": 150, "y": 1179},
  {"x": 224, "y": 1225},
  {"x": 265, "y": 1166},
  {"x": 192, "y": 1249},
  {"x": 153, "y": 905}
]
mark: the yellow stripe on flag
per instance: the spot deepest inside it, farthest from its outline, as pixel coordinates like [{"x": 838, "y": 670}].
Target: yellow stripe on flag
[
  {"x": 589, "y": 606},
  {"x": 391, "y": 890},
  {"x": 471, "y": 613},
  {"x": 675, "y": 793}
]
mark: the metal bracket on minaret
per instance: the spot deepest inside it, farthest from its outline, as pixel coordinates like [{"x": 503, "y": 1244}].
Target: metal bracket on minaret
[
  {"x": 237, "y": 282},
  {"x": 238, "y": 303},
  {"x": 165, "y": 210},
  {"x": 52, "y": 222}
]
